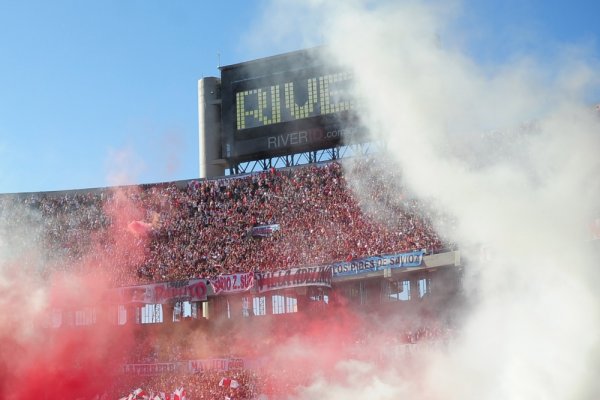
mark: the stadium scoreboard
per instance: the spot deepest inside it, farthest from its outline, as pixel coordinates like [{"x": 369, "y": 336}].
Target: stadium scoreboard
[{"x": 285, "y": 104}]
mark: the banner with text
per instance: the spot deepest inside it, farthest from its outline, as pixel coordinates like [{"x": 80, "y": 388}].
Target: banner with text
[
  {"x": 191, "y": 366},
  {"x": 218, "y": 364},
  {"x": 234, "y": 283},
  {"x": 294, "y": 277},
  {"x": 150, "y": 369},
  {"x": 378, "y": 263},
  {"x": 161, "y": 293}
]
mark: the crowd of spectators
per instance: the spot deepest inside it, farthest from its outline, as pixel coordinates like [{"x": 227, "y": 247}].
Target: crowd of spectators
[
  {"x": 324, "y": 213},
  {"x": 209, "y": 385},
  {"x": 203, "y": 228},
  {"x": 277, "y": 381}
]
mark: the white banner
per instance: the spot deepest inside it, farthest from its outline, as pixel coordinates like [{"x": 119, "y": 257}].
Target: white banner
[
  {"x": 161, "y": 293},
  {"x": 294, "y": 277},
  {"x": 233, "y": 283}
]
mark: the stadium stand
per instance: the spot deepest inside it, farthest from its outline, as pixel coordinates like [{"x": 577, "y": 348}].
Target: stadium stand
[{"x": 204, "y": 228}]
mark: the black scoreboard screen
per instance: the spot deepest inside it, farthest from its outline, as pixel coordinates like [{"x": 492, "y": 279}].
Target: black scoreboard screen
[{"x": 285, "y": 104}]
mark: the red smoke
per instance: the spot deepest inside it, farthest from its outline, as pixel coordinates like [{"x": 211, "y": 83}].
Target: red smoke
[{"x": 39, "y": 360}]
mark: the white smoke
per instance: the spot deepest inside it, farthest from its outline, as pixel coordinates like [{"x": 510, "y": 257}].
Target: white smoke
[
  {"x": 512, "y": 153},
  {"x": 123, "y": 166}
]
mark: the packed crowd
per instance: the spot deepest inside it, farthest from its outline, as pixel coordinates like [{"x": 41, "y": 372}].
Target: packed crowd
[
  {"x": 242, "y": 384},
  {"x": 204, "y": 228},
  {"x": 275, "y": 381}
]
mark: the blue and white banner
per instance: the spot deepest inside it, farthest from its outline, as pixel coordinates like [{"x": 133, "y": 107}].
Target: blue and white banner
[
  {"x": 264, "y": 230},
  {"x": 378, "y": 263}
]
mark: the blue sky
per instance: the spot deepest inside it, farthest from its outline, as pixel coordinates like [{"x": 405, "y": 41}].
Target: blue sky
[{"x": 93, "y": 90}]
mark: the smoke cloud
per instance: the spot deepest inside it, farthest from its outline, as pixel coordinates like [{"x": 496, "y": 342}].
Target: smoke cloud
[
  {"x": 123, "y": 167},
  {"x": 51, "y": 354},
  {"x": 509, "y": 152}
]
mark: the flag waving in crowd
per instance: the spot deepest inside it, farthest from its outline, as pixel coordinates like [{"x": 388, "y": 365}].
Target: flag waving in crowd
[
  {"x": 179, "y": 394},
  {"x": 229, "y": 383},
  {"x": 139, "y": 394}
]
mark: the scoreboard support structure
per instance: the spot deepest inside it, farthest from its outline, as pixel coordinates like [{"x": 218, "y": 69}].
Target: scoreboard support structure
[
  {"x": 310, "y": 157},
  {"x": 209, "y": 126}
]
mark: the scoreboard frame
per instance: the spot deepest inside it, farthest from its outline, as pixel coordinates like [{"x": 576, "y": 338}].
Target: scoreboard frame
[{"x": 285, "y": 104}]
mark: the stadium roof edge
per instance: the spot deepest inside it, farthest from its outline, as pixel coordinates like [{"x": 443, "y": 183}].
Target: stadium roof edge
[
  {"x": 98, "y": 189},
  {"x": 179, "y": 183}
]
